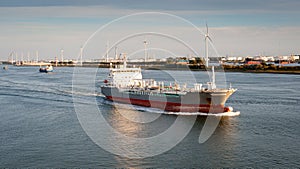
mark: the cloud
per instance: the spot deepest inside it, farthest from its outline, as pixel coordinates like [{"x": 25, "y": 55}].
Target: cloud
[
  {"x": 242, "y": 31},
  {"x": 257, "y": 40},
  {"x": 289, "y": 5},
  {"x": 105, "y": 13}
]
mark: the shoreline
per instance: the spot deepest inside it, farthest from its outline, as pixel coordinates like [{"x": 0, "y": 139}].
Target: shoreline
[
  {"x": 266, "y": 71},
  {"x": 287, "y": 70},
  {"x": 228, "y": 70}
]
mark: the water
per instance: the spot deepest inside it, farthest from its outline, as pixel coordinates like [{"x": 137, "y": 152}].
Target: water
[{"x": 39, "y": 126}]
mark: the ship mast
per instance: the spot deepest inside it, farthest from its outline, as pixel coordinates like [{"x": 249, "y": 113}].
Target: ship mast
[
  {"x": 37, "y": 56},
  {"x": 116, "y": 53},
  {"x": 213, "y": 83},
  {"x": 16, "y": 58},
  {"x": 28, "y": 56},
  {"x": 124, "y": 60},
  {"x": 62, "y": 55},
  {"x": 22, "y": 58},
  {"x": 12, "y": 57}
]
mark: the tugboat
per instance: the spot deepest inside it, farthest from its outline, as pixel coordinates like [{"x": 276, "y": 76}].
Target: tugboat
[{"x": 46, "y": 69}]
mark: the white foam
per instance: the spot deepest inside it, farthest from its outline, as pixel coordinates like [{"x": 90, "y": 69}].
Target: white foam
[{"x": 226, "y": 114}]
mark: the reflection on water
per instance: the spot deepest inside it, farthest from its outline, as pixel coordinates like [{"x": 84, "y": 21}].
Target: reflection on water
[
  {"x": 39, "y": 126},
  {"x": 129, "y": 112},
  {"x": 228, "y": 134},
  {"x": 124, "y": 125},
  {"x": 221, "y": 144}
]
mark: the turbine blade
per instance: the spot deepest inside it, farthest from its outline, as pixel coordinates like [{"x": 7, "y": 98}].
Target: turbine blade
[{"x": 209, "y": 39}]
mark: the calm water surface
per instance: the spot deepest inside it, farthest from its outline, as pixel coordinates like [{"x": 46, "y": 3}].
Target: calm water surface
[{"x": 39, "y": 126}]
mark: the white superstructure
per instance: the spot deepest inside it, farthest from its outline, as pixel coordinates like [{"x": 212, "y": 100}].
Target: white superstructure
[{"x": 123, "y": 77}]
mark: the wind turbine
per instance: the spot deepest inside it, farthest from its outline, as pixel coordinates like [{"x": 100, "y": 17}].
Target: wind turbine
[
  {"x": 107, "y": 49},
  {"x": 62, "y": 55},
  {"x": 207, "y": 38},
  {"x": 12, "y": 57},
  {"x": 81, "y": 54},
  {"x": 145, "y": 46},
  {"x": 116, "y": 53}
]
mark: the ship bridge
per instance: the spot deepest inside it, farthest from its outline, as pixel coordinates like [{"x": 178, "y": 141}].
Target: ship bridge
[{"x": 124, "y": 77}]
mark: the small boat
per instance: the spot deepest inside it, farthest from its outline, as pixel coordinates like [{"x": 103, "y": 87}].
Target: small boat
[
  {"x": 46, "y": 69},
  {"x": 5, "y": 67}
]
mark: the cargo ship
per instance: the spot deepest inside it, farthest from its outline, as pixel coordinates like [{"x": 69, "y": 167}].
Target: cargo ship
[{"x": 126, "y": 85}]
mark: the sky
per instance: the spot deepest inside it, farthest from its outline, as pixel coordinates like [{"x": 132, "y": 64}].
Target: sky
[{"x": 170, "y": 28}]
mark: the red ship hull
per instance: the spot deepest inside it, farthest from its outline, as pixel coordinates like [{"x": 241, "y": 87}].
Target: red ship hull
[{"x": 170, "y": 106}]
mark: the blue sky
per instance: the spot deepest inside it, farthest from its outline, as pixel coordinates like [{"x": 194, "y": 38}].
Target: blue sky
[{"x": 237, "y": 27}]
